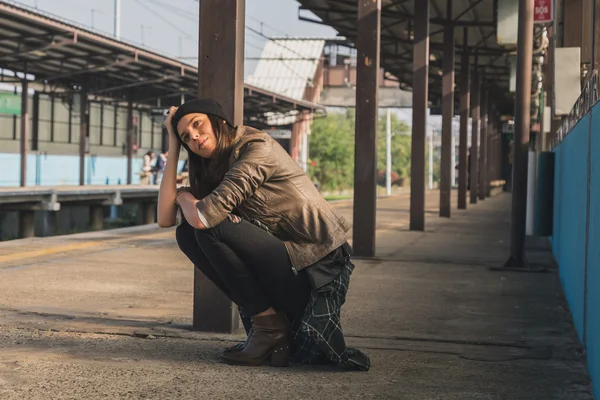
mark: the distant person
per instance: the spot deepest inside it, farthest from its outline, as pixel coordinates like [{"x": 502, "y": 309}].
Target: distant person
[
  {"x": 146, "y": 174},
  {"x": 256, "y": 226},
  {"x": 161, "y": 163}
]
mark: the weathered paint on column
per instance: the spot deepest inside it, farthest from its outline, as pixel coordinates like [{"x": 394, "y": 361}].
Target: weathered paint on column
[
  {"x": 446, "y": 162},
  {"x": 465, "y": 93},
  {"x": 483, "y": 147},
  {"x": 474, "y": 155},
  {"x": 220, "y": 59},
  {"x": 24, "y": 131},
  {"x": 521, "y": 138},
  {"x": 365, "y": 159},
  {"x": 420, "y": 84}
]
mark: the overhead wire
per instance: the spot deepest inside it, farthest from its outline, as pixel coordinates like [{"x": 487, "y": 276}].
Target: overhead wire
[{"x": 175, "y": 26}]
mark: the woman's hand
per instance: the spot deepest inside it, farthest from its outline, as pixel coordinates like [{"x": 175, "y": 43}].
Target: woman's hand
[
  {"x": 234, "y": 218},
  {"x": 169, "y": 124}
]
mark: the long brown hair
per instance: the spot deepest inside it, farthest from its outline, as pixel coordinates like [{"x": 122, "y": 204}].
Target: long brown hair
[{"x": 207, "y": 173}]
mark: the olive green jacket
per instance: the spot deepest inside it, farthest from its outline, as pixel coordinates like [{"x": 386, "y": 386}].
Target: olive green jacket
[{"x": 264, "y": 185}]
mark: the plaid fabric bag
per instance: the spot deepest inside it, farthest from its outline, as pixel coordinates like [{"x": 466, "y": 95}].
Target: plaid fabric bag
[{"x": 319, "y": 338}]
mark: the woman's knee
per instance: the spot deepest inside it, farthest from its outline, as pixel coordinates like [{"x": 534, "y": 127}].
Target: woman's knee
[{"x": 184, "y": 236}]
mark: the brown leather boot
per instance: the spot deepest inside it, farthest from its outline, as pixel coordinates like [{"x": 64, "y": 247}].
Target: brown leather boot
[
  {"x": 234, "y": 348},
  {"x": 270, "y": 338}
]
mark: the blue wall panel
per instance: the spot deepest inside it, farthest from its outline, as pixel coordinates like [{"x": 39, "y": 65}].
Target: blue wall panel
[
  {"x": 593, "y": 279},
  {"x": 571, "y": 215}
]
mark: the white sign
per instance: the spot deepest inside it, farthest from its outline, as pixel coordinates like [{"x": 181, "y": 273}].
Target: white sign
[{"x": 280, "y": 133}]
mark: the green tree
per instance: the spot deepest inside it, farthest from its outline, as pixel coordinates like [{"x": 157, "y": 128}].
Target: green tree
[{"x": 332, "y": 149}]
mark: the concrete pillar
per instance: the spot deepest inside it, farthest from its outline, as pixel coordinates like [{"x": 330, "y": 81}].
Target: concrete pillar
[
  {"x": 220, "y": 59},
  {"x": 446, "y": 162},
  {"x": 365, "y": 150},
  {"x": 465, "y": 93},
  {"x": 24, "y": 131},
  {"x": 420, "y": 85},
  {"x": 483, "y": 147},
  {"x": 476, "y": 123},
  {"x": 148, "y": 213},
  {"x": 96, "y": 217},
  {"x": 26, "y": 224}
]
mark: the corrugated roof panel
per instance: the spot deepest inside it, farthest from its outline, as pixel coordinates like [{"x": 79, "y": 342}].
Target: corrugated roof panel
[{"x": 288, "y": 66}]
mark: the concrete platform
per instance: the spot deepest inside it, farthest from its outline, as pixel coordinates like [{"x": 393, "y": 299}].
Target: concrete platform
[{"x": 107, "y": 315}]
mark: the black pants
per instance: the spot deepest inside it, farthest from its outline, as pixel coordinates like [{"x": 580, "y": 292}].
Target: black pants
[{"x": 250, "y": 266}]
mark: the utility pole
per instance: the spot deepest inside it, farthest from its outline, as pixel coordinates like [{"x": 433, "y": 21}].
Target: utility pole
[{"x": 118, "y": 19}]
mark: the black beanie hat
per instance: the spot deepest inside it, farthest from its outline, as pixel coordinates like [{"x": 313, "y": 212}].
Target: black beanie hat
[{"x": 204, "y": 106}]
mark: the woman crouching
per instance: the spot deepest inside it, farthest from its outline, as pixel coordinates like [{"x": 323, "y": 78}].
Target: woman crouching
[{"x": 256, "y": 226}]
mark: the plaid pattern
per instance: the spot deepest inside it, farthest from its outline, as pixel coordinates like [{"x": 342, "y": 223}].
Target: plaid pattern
[{"x": 319, "y": 338}]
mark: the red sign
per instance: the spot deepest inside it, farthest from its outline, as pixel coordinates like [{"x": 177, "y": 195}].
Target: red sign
[{"x": 542, "y": 11}]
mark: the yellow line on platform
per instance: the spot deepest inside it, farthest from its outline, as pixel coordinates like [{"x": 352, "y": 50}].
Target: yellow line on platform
[
  {"x": 45, "y": 252},
  {"x": 75, "y": 246}
]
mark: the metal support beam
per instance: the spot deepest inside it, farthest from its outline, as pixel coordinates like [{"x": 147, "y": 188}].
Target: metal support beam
[
  {"x": 446, "y": 162},
  {"x": 35, "y": 121},
  {"x": 420, "y": 85},
  {"x": 521, "y": 139},
  {"x": 484, "y": 140},
  {"x": 367, "y": 95},
  {"x": 491, "y": 142},
  {"x": 24, "y": 131},
  {"x": 220, "y": 59},
  {"x": 463, "y": 159},
  {"x": 83, "y": 133},
  {"x": 474, "y": 155},
  {"x": 129, "y": 138}
]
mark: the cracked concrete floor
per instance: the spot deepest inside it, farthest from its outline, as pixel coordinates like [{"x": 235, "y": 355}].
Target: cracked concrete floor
[{"x": 436, "y": 321}]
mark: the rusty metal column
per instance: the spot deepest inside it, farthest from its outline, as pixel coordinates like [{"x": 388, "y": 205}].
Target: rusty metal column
[
  {"x": 129, "y": 138},
  {"x": 491, "y": 141},
  {"x": 83, "y": 135},
  {"x": 365, "y": 148},
  {"x": 447, "y": 163},
  {"x": 24, "y": 130},
  {"x": 420, "y": 85},
  {"x": 521, "y": 142},
  {"x": 483, "y": 147},
  {"x": 473, "y": 158},
  {"x": 220, "y": 59},
  {"x": 465, "y": 93}
]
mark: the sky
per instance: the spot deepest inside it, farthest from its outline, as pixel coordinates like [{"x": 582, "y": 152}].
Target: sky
[{"x": 170, "y": 27}]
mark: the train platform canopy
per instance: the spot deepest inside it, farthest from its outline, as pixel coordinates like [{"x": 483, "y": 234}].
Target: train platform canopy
[
  {"x": 63, "y": 56},
  {"x": 478, "y": 18}
]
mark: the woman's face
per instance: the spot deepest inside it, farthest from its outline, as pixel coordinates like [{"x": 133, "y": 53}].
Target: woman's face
[{"x": 196, "y": 132}]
